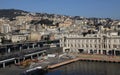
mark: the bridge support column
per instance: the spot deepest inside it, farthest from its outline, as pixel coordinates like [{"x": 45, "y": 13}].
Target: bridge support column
[
  {"x": 31, "y": 57},
  {"x": 33, "y": 45},
  {"x": 23, "y": 58},
  {"x": 28, "y": 47},
  {"x": 37, "y": 55},
  {"x": 15, "y": 62},
  {"x": 9, "y": 50},
  {"x": 4, "y": 65},
  {"x": 20, "y": 48},
  {"x": 38, "y": 46}
]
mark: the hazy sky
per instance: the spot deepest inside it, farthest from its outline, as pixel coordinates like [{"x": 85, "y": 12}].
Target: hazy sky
[{"x": 86, "y": 8}]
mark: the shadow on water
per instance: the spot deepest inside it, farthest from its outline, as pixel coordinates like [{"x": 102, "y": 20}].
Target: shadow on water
[{"x": 84, "y": 68}]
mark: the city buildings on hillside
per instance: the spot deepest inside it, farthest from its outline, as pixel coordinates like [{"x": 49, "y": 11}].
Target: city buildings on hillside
[
  {"x": 37, "y": 26},
  {"x": 5, "y": 28}
]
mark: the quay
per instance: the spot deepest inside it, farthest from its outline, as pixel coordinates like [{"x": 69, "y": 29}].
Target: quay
[
  {"x": 62, "y": 63},
  {"x": 86, "y": 57},
  {"x": 99, "y": 58}
]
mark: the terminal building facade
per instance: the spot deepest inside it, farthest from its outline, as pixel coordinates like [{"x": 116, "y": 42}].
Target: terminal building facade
[{"x": 108, "y": 44}]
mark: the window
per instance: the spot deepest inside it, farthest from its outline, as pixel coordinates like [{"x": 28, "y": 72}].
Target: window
[
  {"x": 109, "y": 41},
  {"x": 109, "y": 46},
  {"x": 104, "y": 46},
  {"x": 114, "y": 46},
  {"x": 99, "y": 46},
  {"x": 64, "y": 45},
  {"x": 90, "y": 45},
  {"x": 118, "y": 26},
  {"x": 71, "y": 45},
  {"x": 86, "y": 46},
  {"x": 114, "y": 40},
  {"x": 95, "y": 46},
  {"x": 75, "y": 45},
  {"x": 82, "y": 45},
  {"x": 68, "y": 45},
  {"x": 119, "y": 46},
  {"x": 95, "y": 40},
  {"x": 78, "y": 45},
  {"x": 99, "y": 40}
]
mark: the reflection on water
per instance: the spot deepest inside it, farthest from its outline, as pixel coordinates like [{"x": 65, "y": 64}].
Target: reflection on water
[{"x": 87, "y": 68}]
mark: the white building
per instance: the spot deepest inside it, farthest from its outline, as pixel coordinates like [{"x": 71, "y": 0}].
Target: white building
[
  {"x": 94, "y": 44},
  {"x": 18, "y": 38},
  {"x": 5, "y": 28}
]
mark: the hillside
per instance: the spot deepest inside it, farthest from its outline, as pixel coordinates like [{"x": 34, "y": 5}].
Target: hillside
[{"x": 11, "y": 13}]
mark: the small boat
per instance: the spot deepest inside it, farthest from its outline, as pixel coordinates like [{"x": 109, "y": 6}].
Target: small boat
[{"x": 34, "y": 71}]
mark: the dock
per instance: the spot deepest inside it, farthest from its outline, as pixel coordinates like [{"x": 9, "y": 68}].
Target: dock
[
  {"x": 62, "y": 63},
  {"x": 99, "y": 58},
  {"x": 92, "y": 58}
]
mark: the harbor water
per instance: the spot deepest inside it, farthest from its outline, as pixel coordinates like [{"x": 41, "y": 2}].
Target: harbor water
[{"x": 87, "y": 68}]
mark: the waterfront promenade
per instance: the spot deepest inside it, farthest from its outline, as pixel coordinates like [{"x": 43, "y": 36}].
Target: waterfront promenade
[
  {"x": 96, "y": 57},
  {"x": 87, "y": 57},
  {"x": 73, "y": 57}
]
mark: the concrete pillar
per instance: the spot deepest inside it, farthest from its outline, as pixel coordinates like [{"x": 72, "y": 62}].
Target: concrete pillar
[
  {"x": 33, "y": 45},
  {"x": 31, "y": 57},
  {"x": 114, "y": 52},
  {"x": 23, "y": 58},
  {"x": 15, "y": 62},
  {"x": 37, "y": 55},
  {"x": 4, "y": 65},
  {"x": 9, "y": 50},
  {"x": 28, "y": 47},
  {"x": 38, "y": 46},
  {"x": 20, "y": 48}
]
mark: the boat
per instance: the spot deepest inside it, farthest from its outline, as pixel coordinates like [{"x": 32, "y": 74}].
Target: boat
[{"x": 34, "y": 71}]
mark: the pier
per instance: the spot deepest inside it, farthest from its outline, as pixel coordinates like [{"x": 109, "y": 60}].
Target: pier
[
  {"x": 87, "y": 57},
  {"x": 62, "y": 63},
  {"x": 99, "y": 58}
]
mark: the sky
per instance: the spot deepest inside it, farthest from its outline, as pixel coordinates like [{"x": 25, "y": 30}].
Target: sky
[{"x": 85, "y": 8}]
